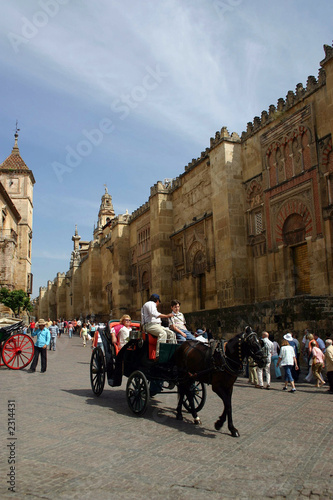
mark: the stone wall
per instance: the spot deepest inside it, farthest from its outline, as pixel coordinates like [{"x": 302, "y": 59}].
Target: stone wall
[{"x": 242, "y": 236}]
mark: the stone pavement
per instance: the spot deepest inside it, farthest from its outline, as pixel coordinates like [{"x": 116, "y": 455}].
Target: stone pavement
[{"x": 70, "y": 444}]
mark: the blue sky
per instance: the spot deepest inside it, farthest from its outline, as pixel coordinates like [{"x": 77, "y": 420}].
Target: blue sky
[{"x": 126, "y": 93}]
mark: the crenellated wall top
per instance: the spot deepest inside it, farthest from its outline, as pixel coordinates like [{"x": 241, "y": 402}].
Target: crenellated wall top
[
  {"x": 328, "y": 54},
  {"x": 292, "y": 98},
  {"x": 139, "y": 211}
]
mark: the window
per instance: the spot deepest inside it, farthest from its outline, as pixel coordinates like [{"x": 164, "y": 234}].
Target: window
[
  {"x": 258, "y": 223},
  {"x": 143, "y": 241}
]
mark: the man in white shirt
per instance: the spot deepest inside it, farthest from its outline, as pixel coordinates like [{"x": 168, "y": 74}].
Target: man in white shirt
[
  {"x": 267, "y": 368},
  {"x": 151, "y": 320}
]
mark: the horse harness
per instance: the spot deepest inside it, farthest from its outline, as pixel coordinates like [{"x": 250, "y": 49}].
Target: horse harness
[
  {"x": 210, "y": 361},
  {"x": 225, "y": 362}
]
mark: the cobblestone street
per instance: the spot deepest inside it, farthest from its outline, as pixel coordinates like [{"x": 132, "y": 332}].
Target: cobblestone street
[{"x": 70, "y": 444}]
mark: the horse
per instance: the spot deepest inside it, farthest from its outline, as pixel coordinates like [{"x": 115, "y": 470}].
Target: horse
[{"x": 219, "y": 366}]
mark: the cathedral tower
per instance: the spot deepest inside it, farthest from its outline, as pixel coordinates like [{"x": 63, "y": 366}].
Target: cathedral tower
[{"x": 18, "y": 181}]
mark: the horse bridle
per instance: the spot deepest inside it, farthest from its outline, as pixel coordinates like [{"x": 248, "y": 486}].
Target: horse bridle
[{"x": 226, "y": 366}]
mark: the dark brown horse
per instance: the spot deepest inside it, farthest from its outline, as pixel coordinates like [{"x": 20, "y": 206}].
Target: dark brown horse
[{"x": 217, "y": 366}]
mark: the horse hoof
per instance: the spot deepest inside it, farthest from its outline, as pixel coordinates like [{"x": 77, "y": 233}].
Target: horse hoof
[
  {"x": 235, "y": 433},
  {"x": 197, "y": 421},
  {"x": 179, "y": 417},
  {"x": 217, "y": 425}
]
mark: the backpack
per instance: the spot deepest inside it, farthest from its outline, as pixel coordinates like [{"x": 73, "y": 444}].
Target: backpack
[{"x": 266, "y": 350}]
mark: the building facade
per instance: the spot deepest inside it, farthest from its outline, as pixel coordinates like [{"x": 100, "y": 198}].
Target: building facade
[
  {"x": 243, "y": 235},
  {"x": 16, "y": 202}
]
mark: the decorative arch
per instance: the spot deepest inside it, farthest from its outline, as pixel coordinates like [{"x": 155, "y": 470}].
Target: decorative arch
[
  {"x": 254, "y": 193},
  {"x": 293, "y": 207},
  {"x": 293, "y": 230},
  {"x": 197, "y": 258},
  {"x": 289, "y": 156}
]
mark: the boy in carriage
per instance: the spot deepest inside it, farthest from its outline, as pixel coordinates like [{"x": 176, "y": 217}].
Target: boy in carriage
[{"x": 177, "y": 323}]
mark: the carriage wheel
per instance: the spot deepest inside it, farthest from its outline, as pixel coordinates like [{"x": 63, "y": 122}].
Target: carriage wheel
[
  {"x": 199, "y": 392},
  {"x": 137, "y": 393},
  {"x": 18, "y": 351},
  {"x": 97, "y": 371}
]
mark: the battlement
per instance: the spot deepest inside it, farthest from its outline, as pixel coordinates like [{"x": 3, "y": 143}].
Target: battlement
[
  {"x": 328, "y": 54},
  {"x": 283, "y": 105},
  {"x": 139, "y": 211}
]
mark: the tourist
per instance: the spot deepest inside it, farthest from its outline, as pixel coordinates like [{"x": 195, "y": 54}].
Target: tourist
[
  {"x": 275, "y": 357},
  {"x": 70, "y": 329},
  {"x": 32, "y": 326},
  {"x": 151, "y": 320},
  {"x": 177, "y": 323},
  {"x": 329, "y": 363},
  {"x": 288, "y": 336},
  {"x": 84, "y": 334},
  {"x": 253, "y": 376},
  {"x": 320, "y": 342},
  {"x": 120, "y": 333},
  {"x": 268, "y": 350},
  {"x": 287, "y": 359},
  {"x": 92, "y": 330},
  {"x": 43, "y": 340},
  {"x": 318, "y": 360},
  {"x": 54, "y": 331},
  {"x": 308, "y": 350}
]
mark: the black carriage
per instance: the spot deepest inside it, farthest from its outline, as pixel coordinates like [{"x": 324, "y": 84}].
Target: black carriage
[
  {"x": 146, "y": 377},
  {"x": 16, "y": 348}
]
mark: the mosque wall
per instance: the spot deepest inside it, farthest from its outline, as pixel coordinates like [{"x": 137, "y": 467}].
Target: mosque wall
[{"x": 243, "y": 234}]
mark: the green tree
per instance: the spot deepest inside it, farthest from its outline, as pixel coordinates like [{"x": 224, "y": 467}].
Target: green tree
[{"x": 17, "y": 300}]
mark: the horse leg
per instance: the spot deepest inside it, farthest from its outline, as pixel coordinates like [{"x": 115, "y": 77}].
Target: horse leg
[
  {"x": 225, "y": 395},
  {"x": 219, "y": 423}
]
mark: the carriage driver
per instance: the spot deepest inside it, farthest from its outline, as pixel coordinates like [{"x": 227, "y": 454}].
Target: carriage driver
[{"x": 151, "y": 322}]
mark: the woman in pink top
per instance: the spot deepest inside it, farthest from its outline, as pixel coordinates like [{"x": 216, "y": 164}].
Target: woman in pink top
[{"x": 317, "y": 363}]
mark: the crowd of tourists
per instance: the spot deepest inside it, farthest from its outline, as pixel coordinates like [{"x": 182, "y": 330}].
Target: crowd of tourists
[{"x": 317, "y": 356}]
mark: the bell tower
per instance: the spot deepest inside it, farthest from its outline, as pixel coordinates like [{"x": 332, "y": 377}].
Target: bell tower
[
  {"x": 106, "y": 212},
  {"x": 18, "y": 180}
]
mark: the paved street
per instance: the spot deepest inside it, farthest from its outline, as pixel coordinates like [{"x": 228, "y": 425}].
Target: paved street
[{"x": 70, "y": 444}]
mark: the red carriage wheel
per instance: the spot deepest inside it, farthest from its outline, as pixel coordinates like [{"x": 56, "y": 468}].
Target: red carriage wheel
[{"x": 18, "y": 351}]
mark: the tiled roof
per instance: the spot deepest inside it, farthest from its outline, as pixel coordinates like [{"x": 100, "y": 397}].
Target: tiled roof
[{"x": 14, "y": 161}]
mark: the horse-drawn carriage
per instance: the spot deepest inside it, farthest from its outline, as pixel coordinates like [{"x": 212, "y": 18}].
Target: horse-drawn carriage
[
  {"x": 187, "y": 366},
  {"x": 16, "y": 348},
  {"x": 146, "y": 375}
]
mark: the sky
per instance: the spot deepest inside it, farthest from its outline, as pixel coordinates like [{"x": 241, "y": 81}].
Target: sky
[{"x": 125, "y": 93}]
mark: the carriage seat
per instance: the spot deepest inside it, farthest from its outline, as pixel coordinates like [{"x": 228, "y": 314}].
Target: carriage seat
[
  {"x": 116, "y": 349},
  {"x": 152, "y": 341}
]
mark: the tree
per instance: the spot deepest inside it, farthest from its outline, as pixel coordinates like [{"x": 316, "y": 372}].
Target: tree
[{"x": 17, "y": 300}]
